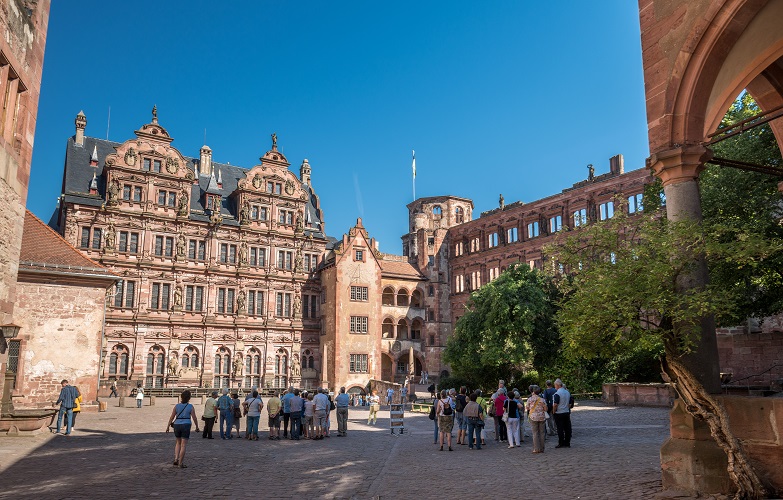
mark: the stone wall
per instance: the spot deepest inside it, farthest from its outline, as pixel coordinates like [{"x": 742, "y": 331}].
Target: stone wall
[
  {"x": 627, "y": 394},
  {"x": 60, "y": 339},
  {"x": 753, "y": 358}
]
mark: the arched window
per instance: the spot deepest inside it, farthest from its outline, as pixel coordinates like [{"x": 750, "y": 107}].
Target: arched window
[
  {"x": 311, "y": 362},
  {"x": 118, "y": 363},
  {"x": 416, "y": 328},
  {"x": 416, "y": 299},
  {"x": 253, "y": 368},
  {"x": 156, "y": 367},
  {"x": 185, "y": 361},
  {"x": 402, "y": 329},
  {"x": 222, "y": 368},
  {"x": 281, "y": 369},
  {"x": 402, "y": 297},
  {"x": 437, "y": 211},
  {"x": 388, "y": 296},
  {"x": 191, "y": 352},
  {"x": 460, "y": 215},
  {"x": 387, "y": 328}
]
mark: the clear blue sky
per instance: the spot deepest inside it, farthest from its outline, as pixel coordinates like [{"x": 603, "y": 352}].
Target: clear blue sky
[{"x": 512, "y": 97}]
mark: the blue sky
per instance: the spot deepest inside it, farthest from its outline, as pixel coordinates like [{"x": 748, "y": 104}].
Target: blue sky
[{"x": 495, "y": 97}]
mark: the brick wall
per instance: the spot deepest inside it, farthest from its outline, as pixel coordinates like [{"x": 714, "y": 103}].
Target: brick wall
[
  {"x": 61, "y": 339},
  {"x": 747, "y": 355}
]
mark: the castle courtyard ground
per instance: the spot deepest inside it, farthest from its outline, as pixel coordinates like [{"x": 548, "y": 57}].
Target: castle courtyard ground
[{"x": 124, "y": 453}]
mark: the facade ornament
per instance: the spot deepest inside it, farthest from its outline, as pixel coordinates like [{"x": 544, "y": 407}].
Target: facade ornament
[
  {"x": 502, "y": 202},
  {"x": 244, "y": 213},
  {"x": 111, "y": 237},
  {"x": 114, "y": 193},
  {"x": 237, "y": 366},
  {"x": 241, "y": 302},
  {"x": 257, "y": 181},
  {"x": 299, "y": 224},
  {"x": 182, "y": 203},
  {"x": 243, "y": 254},
  {"x": 181, "y": 245},
  {"x": 173, "y": 366},
  {"x": 590, "y": 172},
  {"x": 172, "y": 165},
  {"x": 289, "y": 187},
  {"x": 130, "y": 157},
  {"x": 178, "y": 296},
  {"x": 297, "y": 306}
]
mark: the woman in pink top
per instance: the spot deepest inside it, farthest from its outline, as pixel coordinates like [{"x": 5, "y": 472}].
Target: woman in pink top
[{"x": 500, "y": 425}]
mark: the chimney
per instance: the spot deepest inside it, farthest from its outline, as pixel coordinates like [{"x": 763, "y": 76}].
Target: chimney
[
  {"x": 81, "y": 123},
  {"x": 304, "y": 172},
  {"x": 617, "y": 165},
  {"x": 205, "y": 161}
]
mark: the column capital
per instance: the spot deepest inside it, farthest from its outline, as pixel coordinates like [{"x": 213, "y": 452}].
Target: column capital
[{"x": 679, "y": 164}]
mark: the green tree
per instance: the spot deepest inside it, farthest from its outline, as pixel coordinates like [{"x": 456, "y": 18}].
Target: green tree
[
  {"x": 508, "y": 329},
  {"x": 737, "y": 202}
]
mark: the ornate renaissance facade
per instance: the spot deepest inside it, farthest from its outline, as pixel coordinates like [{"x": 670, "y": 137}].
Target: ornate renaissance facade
[{"x": 216, "y": 262}]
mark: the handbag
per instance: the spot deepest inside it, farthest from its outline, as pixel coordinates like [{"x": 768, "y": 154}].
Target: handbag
[{"x": 179, "y": 415}]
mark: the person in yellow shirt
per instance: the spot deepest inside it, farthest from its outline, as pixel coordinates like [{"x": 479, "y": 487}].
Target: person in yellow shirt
[
  {"x": 275, "y": 408},
  {"x": 77, "y": 408}
]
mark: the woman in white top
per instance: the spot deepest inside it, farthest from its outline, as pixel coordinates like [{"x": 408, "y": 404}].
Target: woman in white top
[
  {"x": 253, "y": 407},
  {"x": 375, "y": 404},
  {"x": 139, "y": 396}
]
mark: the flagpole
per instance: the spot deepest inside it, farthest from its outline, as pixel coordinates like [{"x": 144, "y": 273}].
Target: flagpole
[{"x": 413, "y": 165}]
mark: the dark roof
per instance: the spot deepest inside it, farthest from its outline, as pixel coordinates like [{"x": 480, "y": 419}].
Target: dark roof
[
  {"x": 78, "y": 175},
  {"x": 43, "y": 248}
]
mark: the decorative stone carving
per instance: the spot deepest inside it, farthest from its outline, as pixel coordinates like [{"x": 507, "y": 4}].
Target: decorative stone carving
[
  {"x": 257, "y": 181},
  {"x": 297, "y": 306},
  {"x": 130, "y": 157},
  {"x": 172, "y": 165},
  {"x": 244, "y": 214},
  {"x": 173, "y": 365},
  {"x": 241, "y": 302},
  {"x": 298, "y": 260},
  {"x": 289, "y": 187},
  {"x": 243, "y": 254},
  {"x": 178, "y": 297},
  {"x": 113, "y": 191},
  {"x": 299, "y": 224},
  {"x": 111, "y": 237},
  {"x": 237, "y": 367},
  {"x": 181, "y": 245}
]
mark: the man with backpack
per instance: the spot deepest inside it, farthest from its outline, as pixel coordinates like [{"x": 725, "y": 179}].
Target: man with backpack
[
  {"x": 226, "y": 408},
  {"x": 462, "y": 423}
]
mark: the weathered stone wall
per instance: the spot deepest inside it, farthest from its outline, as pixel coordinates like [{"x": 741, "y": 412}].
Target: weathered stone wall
[
  {"x": 753, "y": 358},
  {"x": 628, "y": 394},
  {"x": 61, "y": 339}
]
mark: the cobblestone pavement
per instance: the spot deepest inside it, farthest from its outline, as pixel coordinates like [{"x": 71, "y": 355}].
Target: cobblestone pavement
[{"x": 124, "y": 453}]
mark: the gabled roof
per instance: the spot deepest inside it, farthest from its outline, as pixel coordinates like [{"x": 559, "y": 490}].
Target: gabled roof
[
  {"x": 43, "y": 248},
  {"x": 391, "y": 268}
]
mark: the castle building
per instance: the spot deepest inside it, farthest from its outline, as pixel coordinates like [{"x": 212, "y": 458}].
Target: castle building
[
  {"x": 216, "y": 262},
  {"x": 228, "y": 278}
]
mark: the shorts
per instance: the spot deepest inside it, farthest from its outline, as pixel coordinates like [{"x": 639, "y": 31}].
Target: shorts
[
  {"x": 182, "y": 431},
  {"x": 462, "y": 422},
  {"x": 445, "y": 423},
  {"x": 320, "y": 418},
  {"x": 274, "y": 421}
]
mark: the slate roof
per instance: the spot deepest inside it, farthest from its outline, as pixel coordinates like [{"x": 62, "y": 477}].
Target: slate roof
[
  {"x": 78, "y": 175},
  {"x": 43, "y": 248}
]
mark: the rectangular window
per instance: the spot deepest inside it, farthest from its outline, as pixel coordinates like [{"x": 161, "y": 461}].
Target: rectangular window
[
  {"x": 172, "y": 199},
  {"x": 194, "y": 298},
  {"x": 255, "y": 303},
  {"x": 147, "y": 163},
  {"x": 358, "y": 363},
  {"x": 635, "y": 203},
  {"x": 532, "y": 230},
  {"x": 123, "y": 246},
  {"x": 169, "y": 251},
  {"x": 158, "y": 246},
  {"x": 431, "y": 260},
  {"x": 283, "y": 305},
  {"x": 230, "y": 301},
  {"x": 221, "y": 300},
  {"x": 134, "y": 243},
  {"x": 263, "y": 214},
  {"x": 14, "y": 348},
  {"x": 313, "y": 307},
  {"x": 512, "y": 235},
  {"x": 358, "y": 255},
  {"x": 126, "y": 192},
  {"x": 232, "y": 254},
  {"x": 192, "y": 249},
  {"x": 284, "y": 259},
  {"x": 96, "y": 239},
  {"x": 606, "y": 210},
  {"x": 136, "y": 193},
  {"x": 161, "y": 197},
  {"x": 124, "y": 293},
  {"x": 359, "y": 293},
  {"x": 278, "y": 188},
  {"x": 155, "y": 296},
  {"x": 358, "y": 324},
  {"x": 85, "y": 241},
  {"x": 555, "y": 224},
  {"x": 224, "y": 253},
  {"x": 164, "y": 296},
  {"x": 156, "y": 166},
  {"x": 270, "y": 187},
  {"x": 305, "y": 306},
  {"x": 253, "y": 258},
  {"x": 580, "y": 217},
  {"x": 492, "y": 240}
]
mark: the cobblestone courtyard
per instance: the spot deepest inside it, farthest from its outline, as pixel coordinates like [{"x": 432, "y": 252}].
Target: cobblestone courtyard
[{"x": 124, "y": 453}]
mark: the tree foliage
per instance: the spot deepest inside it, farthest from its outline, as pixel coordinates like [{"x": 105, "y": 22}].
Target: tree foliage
[{"x": 507, "y": 330}]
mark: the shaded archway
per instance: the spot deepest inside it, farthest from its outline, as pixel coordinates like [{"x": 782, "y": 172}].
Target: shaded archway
[
  {"x": 387, "y": 371},
  {"x": 387, "y": 299},
  {"x": 402, "y": 329},
  {"x": 387, "y": 328},
  {"x": 402, "y": 297}
]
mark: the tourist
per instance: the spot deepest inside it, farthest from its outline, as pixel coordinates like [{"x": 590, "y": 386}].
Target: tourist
[
  {"x": 296, "y": 405},
  {"x": 236, "y": 413},
  {"x": 322, "y": 407},
  {"x": 77, "y": 408},
  {"x": 561, "y": 405},
  {"x": 445, "y": 418},
  {"x": 521, "y": 402},
  {"x": 67, "y": 402},
  {"x": 180, "y": 418},
  {"x": 375, "y": 405},
  {"x": 498, "y": 401},
  {"x": 462, "y": 424},
  {"x": 537, "y": 414},
  {"x": 330, "y": 397},
  {"x": 210, "y": 407},
  {"x": 253, "y": 409},
  {"x": 139, "y": 395},
  {"x": 473, "y": 414},
  {"x": 431, "y": 390},
  {"x": 549, "y": 393},
  {"x": 273, "y": 408},
  {"x": 286, "y": 399},
  {"x": 389, "y": 395},
  {"x": 225, "y": 406},
  {"x": 113, "y": 389},
  {"x": 404, "y": 395},
  {"x": 341, "y": 403},
  {"x": 249, "y": 395},
  {"x": 482, "y": 401},
  {"x": 511, "y": 409},
  {"x": 309, "y": 418}
]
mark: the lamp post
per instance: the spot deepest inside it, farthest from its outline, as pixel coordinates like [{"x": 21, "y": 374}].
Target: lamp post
[{"x": 8, "y": 331}]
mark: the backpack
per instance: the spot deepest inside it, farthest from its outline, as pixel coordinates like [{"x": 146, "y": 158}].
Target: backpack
[
  {"x": 460, "y": 404},
  {"x": 432, "y": 411},
  {"x": 332, "y": 406},
  {"x": 446, "y": 409}
]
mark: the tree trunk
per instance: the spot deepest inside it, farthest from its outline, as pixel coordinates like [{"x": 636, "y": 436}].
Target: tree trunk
[{"x": 704, "y": 407}]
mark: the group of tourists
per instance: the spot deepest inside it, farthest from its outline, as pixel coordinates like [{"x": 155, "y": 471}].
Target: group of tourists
[
  {"x": 548, "y": 412},
  {"x": 70, "y": 401}
]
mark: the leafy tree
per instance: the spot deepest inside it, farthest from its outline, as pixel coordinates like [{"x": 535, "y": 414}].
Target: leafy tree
[
  {"x": 507, "y": 330},
  {"x": 737, "y": 202}
]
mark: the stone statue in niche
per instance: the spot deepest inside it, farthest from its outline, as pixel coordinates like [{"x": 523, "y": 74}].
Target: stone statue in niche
[
  {"x": 178, "y": 296},
  {"x": 297, "y": 306},
  {"x": 111, "y": 237},
  {"x": 181, "y": 245},
  {"x": 237, "y": 366},
  {"x": 173, "y": 366},
  {"x": 243, "y": 254},
  {"x": 114, "y": 193},
  {"x": 182, "y": 203},
  {"x": 241, "y": 302},
  {"x": 244, "y": 213},
  {"x": 298, "y": 260},
  {"x": 299, "y": 225},
  {"x": 295, "y": 369}
]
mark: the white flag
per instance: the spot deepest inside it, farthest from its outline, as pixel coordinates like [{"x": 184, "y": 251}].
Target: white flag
[{"x": 414, "y": 163}]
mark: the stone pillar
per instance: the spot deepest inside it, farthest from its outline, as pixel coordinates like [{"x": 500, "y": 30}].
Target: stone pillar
[
  {"x": 679, "y": 170},
  {"x": 325, "y": 366}
]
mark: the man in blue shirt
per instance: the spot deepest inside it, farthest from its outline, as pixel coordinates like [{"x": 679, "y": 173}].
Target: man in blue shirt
[
  {"x": 286, "y": 400},
  {"x": 548, "y": 395},
  {"x": 561, "y": 405},
  {"x": 341, "y": 402},
  {"x": 226, "y": 407},
  {"x": 67, "y": 402}
]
